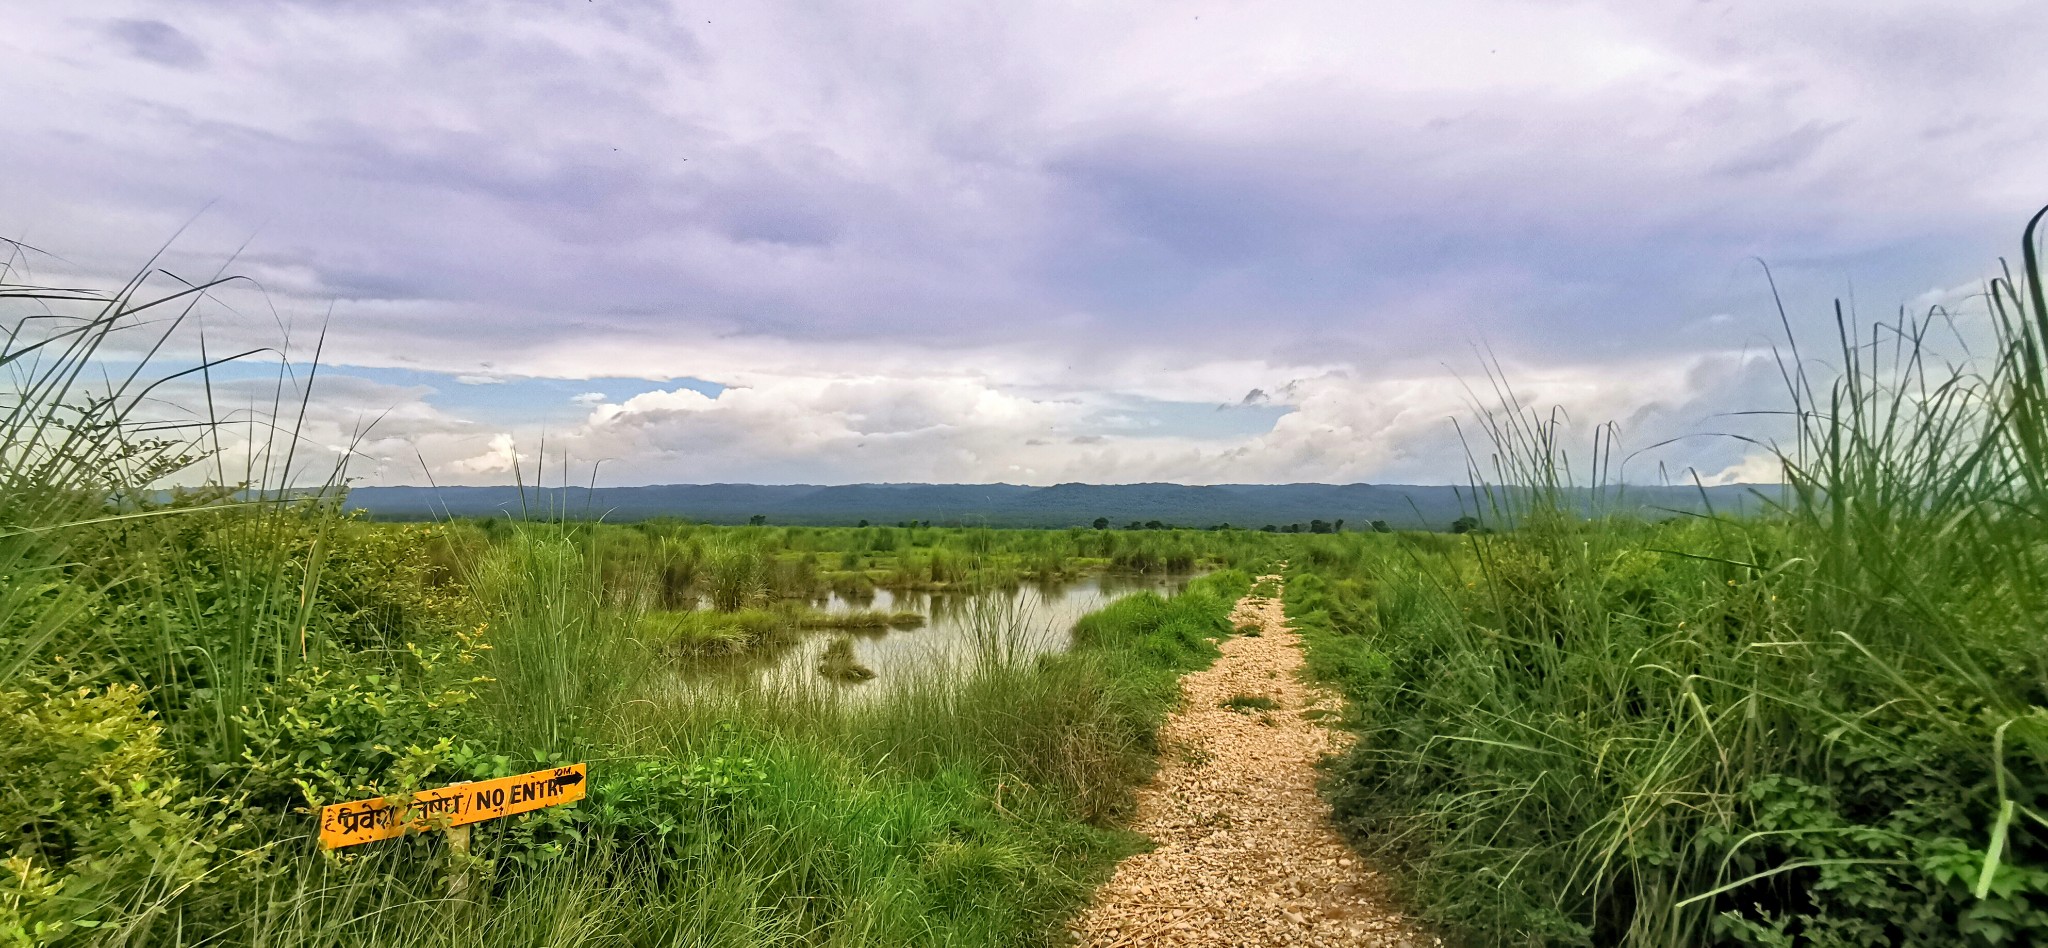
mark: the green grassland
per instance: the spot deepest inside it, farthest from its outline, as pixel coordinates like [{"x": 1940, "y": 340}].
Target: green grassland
[
  {"x": 1822, "y": 724},
  {"x": 190, "y": 684},
  {"x": 186, "y": 676},
  {"x": 1825, "y": 726}
]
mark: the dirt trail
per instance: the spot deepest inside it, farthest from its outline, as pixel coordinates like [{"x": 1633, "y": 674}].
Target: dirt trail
[{"x": 1246, "y": 854}]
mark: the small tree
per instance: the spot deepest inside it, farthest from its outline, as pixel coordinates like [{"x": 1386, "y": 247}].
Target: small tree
[
  {"x": 757, "y": 520},
  {"x": 1381, "y": 526},
  {"x": 1465, "y": 524},
  {"x": 1102, "y": 523}
]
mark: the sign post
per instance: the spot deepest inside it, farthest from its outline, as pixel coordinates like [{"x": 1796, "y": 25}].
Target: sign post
[
  {"x": 458, "y": 850},
  {"x": 449, "y": 808}
]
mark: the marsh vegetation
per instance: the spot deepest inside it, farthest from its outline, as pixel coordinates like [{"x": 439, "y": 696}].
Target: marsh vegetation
[
  {"x": 1820, "y": 725},
  {"x": 187, "y": 675}
]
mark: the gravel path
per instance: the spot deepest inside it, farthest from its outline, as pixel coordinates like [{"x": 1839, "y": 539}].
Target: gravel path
[{"x": 1246, "y": 854}]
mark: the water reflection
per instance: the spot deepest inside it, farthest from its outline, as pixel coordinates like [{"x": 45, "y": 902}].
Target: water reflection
[{"x": 960, "y": 630}]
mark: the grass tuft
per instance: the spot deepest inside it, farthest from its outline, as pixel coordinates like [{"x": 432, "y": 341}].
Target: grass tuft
[{"x": 1245, "y": 704}]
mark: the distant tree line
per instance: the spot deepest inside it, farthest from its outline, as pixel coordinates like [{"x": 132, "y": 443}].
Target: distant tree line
[
  {"x": 1313, "y": 526},
  {"x": 1461, "y": 525}
]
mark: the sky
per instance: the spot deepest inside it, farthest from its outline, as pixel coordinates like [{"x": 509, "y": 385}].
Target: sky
[{"x": 652, "y": 242}]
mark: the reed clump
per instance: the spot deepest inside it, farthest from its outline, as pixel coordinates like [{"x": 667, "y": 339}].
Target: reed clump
[
  {"x": 839, "y": 664},
  {"x": 709, "y": 632},
  {"x": 869, "y": 619}
]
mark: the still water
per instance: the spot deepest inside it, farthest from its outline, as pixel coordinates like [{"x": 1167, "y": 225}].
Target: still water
[{"x": 960, "y": 630}]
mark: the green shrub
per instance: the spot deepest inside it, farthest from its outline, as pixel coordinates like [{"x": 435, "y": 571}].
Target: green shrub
[{"x": 94, "y": 810}]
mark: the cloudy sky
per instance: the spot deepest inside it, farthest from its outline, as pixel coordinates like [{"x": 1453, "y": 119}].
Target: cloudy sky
[{"x": 1025, "y": 242}]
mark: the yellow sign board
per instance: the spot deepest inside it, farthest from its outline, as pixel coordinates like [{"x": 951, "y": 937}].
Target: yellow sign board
[{"x": 366, "y": 821}]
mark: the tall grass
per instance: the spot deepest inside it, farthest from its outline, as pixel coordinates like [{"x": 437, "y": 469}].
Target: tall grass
[
  {"x": 76, "y": 447},
  {"x": 735, "y": 575},
  {"x": 184, "y": 678},
  {"x": 561, "y": 656},
  {"x": 1824, "y": 726},
  {"x": 143, "y": 633},
  {"x": 970, "y": 806}
]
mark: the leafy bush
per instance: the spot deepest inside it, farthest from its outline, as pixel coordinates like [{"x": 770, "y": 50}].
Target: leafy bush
[
  {"x": 665, "y": 808},
  {"x": 94, "y": 808}
]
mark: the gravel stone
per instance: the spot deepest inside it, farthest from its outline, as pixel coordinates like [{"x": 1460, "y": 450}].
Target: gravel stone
[{"x": 1245, "y": 853}]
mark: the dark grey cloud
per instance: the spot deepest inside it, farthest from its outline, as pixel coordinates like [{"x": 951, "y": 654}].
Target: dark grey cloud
[
  {"x": 158, "y": 42},
  {"x": 1780, "y": 154}
]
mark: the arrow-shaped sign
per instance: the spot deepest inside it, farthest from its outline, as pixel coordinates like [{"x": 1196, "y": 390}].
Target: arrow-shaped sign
[{"x": 364, "y": 821}]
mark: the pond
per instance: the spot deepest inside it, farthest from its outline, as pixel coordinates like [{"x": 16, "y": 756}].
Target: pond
[{"x": 960, "y": 630}]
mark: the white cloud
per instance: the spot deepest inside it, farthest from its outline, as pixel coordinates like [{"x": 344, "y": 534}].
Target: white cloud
[
  {"x": 496, "y": 461},
  {"x": 965, "y": 429},
  {"x": 1034, "y": 218},
  {"x": 1760, "y": 467}
]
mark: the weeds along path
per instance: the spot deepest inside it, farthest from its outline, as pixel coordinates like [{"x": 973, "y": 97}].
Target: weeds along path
[{"x": 1246, "y": 854}]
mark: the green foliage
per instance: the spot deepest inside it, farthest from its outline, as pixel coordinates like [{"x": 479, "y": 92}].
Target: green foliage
[
  {"x": 1715, "y": 764},
  {"x": 185, "y": 677},
  {"x": 1823, "y": 727},
  {"x": 95, "y": 811},
  {"x": 960, "y": 810},
  {"x": 665, "y": 809},
  {"x": 191, "y": 687}
]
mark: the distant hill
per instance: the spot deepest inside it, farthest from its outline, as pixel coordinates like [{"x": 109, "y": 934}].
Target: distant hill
[{"x": 1011, "y": 505}]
